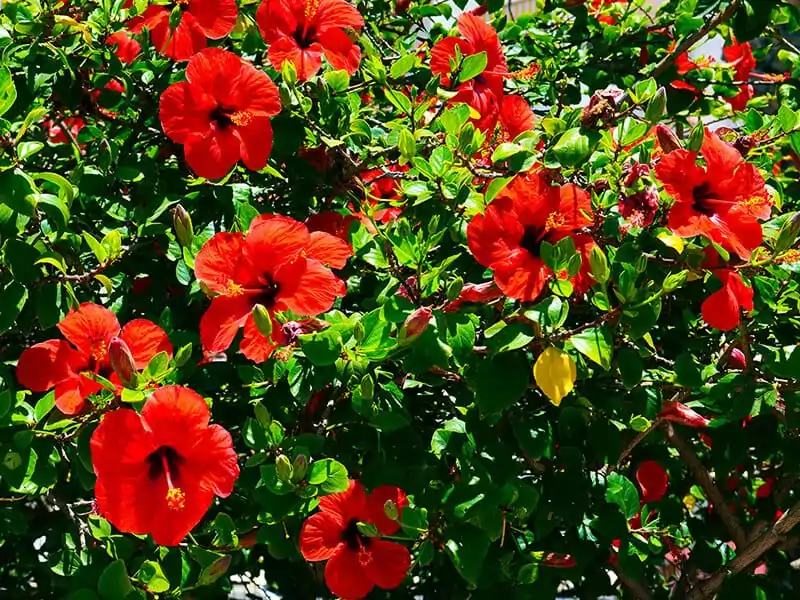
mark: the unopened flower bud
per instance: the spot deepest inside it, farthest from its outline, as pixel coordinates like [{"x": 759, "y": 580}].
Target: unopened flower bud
[
  {"x": 598, "y": 265},
  {"x": 415, "y": 325},
  {"x": 262, "y": 319},
  {"x": 737, "y": 360},
  {"x": 283, "y": 467},
  {"x": 299, "y": 467},
  {"x": 121, "y": 359},
  {"x": 454, "y": 289},
  {"x": 175, "y": 17},
  {"x": 390, "y": 510},
  {"x": 367, "y": 529},
  {"x": 182, "y": 223},
  {"x": 367, "y": 387},
  {"x": 667, "y": 139},
  {"x": 657, "y": 106}
]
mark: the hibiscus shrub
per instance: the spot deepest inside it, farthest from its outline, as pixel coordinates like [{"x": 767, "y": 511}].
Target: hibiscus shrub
[{"x": 409, "y": 299}]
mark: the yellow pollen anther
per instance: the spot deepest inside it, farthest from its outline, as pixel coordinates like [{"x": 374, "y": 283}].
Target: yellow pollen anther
[
  {"x": 754, "y": 202},
  {"x": 176, "y": 499},
  {"x": 242, "y": 118},
  {"x": 526, "y": 73},
  {"x": 99, "y": 350},
  {"x": 311, "y": 7},
  {"x": 789, "y": 257},
  {"x": 554, "y": 221},
  {"x": 233, "y": 289}
]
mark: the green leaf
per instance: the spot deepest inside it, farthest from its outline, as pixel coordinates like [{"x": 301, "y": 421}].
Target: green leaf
[
  {"x": 597, "y": 344},
  {"x": 12, "y": 301},
  {"x": 467, "y": 548},
  {"x": 114, "y": 582},
  {"x": 44, "y": 406},
  {"x": 472, "y": 66},
  {"x": 8, "y": 92},
  {"x": 215, "y": 570},
  {"x": 500, "y": 381},
  {"x": 96, "y": 247},
  {"x": 322, "y": 348},
  {"x": 337, "y": 80},
  {"x": 787, "y": 118},
  {"x": 157, "y": 365},
  {"x": 573, "y": 148},
  {"x": 16, "y": 192},
  {"x": 403, "y": 65},
  {"x": 621, "y": 491},
  {"x": 153, "y": 578},
  {"x": 687, "y": 371},
  {"x": 630, "y": 367},
  {"x": 506, "y": 150},
  {"x": 329, "y": 474},
  {"x": 406, "y": 143},
  {"x": 496, "y": 186}
]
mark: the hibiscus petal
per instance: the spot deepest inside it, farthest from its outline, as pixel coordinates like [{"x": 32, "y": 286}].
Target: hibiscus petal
[
  {"x": 321, "y": 536},
  {"x": 145, "y": 339},
  {"x": 721, "y": 310},
  {"x": 307, "y": 287},
  {"x": 44, "y": 365},
  {"x": 88, "y": 326},
  {"x": 214, "y": 156},
  {"x": 492, "y": 236},
  {"x": 653, "y": 480},
  {"x": 71, "y": 394},
  {"x": 218, "y": 262},
  {"x": 720, "y": 156},
  {"x": 255, "y": 143},
  {"x": 275, "y": 239},
  {"x": 215, "y": 17},
  {"x": 516, "y": 116},
  {"x": 213, "y": 462},
  {"x": 177, "y": 417},
  {"x": 215, "y": 70},
  {"x": 521, "y": 276},
  {"x": 376, "y": 511},
  {"x": 256, "y": 93},
  {"x": 255, "y": 345},
  {"x": 183, "y": 42},
  {"x": 483, "y": 37},
  {"x": 345, "y": 577},
  {"x": 125, "y": 47},
  {"x": 339, "y": 50},
  {"x": 120, "y": 439},
  {"x": 347, "y": 505},
  {"x": 328, "y": 249},
  {"x": 389, "y": 565},
  {"x": 337, "y": 13},
  {"x": 222, "y": 321},
  {"x": 443, "y": 55},
  {"x": 184, "y": 112},
  {"x": 306, "y": 61}
]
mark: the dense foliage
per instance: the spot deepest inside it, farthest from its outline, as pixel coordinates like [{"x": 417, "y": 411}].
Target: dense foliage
[{"x": 403, "y": 299}]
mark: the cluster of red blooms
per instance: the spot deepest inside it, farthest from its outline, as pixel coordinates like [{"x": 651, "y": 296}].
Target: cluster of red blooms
[{"x": 483, "y": 93}]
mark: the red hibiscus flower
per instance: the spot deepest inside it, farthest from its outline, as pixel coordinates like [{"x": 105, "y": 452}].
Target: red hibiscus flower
[
  {"x": 221, "y": 113},
  {"x": 516, "y": 117},
  {"x": 382, "y": 189},
  {"x": 301, "y": 31},
  {"x": 278, "y": 265},
  {"x": 597, "y": 7},
  {"x": 67, "y": 365},
  {"x": 743, "y": 61},
  {"x": 56, "y": 129},
  {"x": 200, "y": 19},
  {"x": 722, "y": 309},
  {"x": 125, "y": 47},
  {"x": 677, "y": 412},
  {"x": 332, "y": 222},
  {"x": 356, "y": 563},
  {"x": 158, "y": 472},
  {"x": 484, "y": 92},
  {"x": 721, "y": 202},
  {"x": 507, "y": 237},
  {"x": 653, "y": 480}
]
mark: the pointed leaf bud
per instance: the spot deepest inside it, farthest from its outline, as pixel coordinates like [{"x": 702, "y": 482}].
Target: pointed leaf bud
[
  {"x": 263, "y": 319},
  {"x": 367, "y": 387},
  {"x": 657, "y": 106},
  {"x": 415, "y": 325},
  {"x": 390, "y": 510},
  {"x": 299, "y": 467},
  {"x": 121, "y": 359},
  {"x": 182, "y": 223},
  {"x": 555, "y": 374},
  {"x": 283, "y": 468},
  {"x": 667, "y": 139}
]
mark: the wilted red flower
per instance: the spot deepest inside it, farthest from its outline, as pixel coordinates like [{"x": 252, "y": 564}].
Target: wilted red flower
[
  {"x": 56, "y": 129},
  {"x": 221, "y": 113},
  {"x": 677, "y": 412},
  {"x": 125, "y": 47},
  {"x": 721, "y": 201},
  {"x": 302, "y": 31},
  {"x": 653, "y": 481},
  {"x": 484, "y": 92},
  {"x": 356, "y": 563},
  {"x": 722, "y": 309},
  {"x": 158, "y": 472},
  {"x": 507, "y": 237},
  {"x": 479, "y": 293},
  {"x": 639, "y": 208},
  {"x": 279, "y": 265},
  {"x": 67, "y": 365},
  {"x": 200, "y": 19}
]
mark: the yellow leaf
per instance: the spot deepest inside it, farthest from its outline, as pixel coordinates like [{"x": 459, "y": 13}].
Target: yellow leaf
[
  {"x": 554, "y": 372},
  {"x": 672, "y": 241}
]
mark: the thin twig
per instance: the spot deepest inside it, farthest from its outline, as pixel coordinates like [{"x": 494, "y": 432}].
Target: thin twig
[
  {"x": 690, "y": 41},
  {"x": 703, "y": 478}
]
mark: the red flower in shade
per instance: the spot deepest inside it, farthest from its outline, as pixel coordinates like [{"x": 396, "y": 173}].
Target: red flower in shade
[
  {"x": 200, "y": 19},
  {"x": 158, "y": 472},
  {"x": 484, "y": 92},
  {"x": 56, "y": 130},
  {"x": 508, "y": 236},
  {"x": 383, "y": 188},
  {"x": 221, "y": 113},
  {"x": 356, "y": 563},
  {"x": 721, "y": 202},
  {"x": 301, "y": 31},
  {"x": 515, "y": 116},
  {"x": 722, "y": 309},
  {"x": 66, "y": 365},
  {"x": 558, "y": 561},
  {"x": 332, "y": 222},
  {"x": 653, "y": 481},
  {"x": 125, "y": 47},
  {"x": 279, "y": 265},
  {"x": 677, "y": 412}
]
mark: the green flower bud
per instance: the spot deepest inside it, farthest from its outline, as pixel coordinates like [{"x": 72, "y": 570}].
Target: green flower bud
[
  {"x": 121, "y": 359},
  {"x": 182, "y": 224},
  {"x": 598, "y": 265},
  {"x": 263, "y": 319},
  {"x": 283, "y": 467},
  {"x": 367, "y": 387},
  {"x": 657, "y": 106},
  {"x": 299, "y": 468}
]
